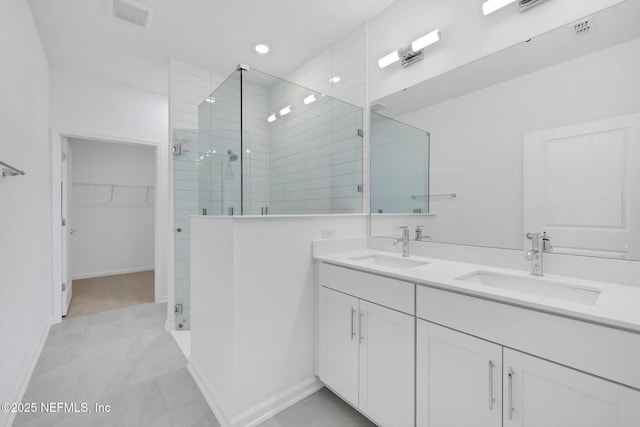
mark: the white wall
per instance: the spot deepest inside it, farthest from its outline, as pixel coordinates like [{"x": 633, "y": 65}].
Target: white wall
[
  {"x": 476, "y": 139},
  {"x": 25, "y": 201},
  {"x": 466, "y": 34},
  {"x": 253, "y": 310},
  {"x": 87, "y": 105},
  {"x": 114, "y": 234},
  {"x": 84, "y": 106}
]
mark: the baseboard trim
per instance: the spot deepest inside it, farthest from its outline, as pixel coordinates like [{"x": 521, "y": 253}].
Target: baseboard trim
[
  {"x": 267, "y": 409},
  {"x": 7, "y": 418},
  {"x": 259, "y": 413},
  {"x": 209, "y": 395},
  {"x": 111, "y": 273}
]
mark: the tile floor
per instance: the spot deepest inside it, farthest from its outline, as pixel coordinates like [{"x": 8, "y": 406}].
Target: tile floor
[
  {"x": 124, "y": 358},
  {"x": 99, "y": 294}
]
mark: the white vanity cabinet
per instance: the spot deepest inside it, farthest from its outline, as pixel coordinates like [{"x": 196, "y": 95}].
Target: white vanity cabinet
[
  {"x": 465, "y": 381},
  {"x": 475, "y": 377},
  {"x": 541, "y": 393},
  {"x": 459, "y": 379},
  {"x": 366, "y": 350}
]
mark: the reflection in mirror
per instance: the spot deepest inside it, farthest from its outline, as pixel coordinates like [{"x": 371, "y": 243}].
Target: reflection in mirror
[
  {"x": 559, "y": 83},
  {"x": 399, "y": 167}
]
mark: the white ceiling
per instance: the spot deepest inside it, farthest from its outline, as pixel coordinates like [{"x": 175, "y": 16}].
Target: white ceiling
[{"x": 80, "y": 36}]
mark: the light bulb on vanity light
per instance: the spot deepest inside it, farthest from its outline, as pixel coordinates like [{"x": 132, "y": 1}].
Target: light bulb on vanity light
[
  {"x": 389, "y": 59},
  {"x": 309, "y": 99},
  {"x": 286, "y": 110},
  {"x": 491, "y": 6},
  {"x": 425, "y": 40}
]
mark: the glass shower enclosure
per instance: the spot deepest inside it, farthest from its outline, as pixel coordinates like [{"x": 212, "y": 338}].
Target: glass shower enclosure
[{"x": 263, "y": 146}]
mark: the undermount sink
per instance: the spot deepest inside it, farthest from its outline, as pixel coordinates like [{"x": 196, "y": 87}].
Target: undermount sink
[
  {"x": 534, "y": 286},
  {"x": 390, "y": 261}
]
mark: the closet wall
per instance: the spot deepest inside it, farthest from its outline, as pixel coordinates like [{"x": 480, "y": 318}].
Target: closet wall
[{"x": 112, "y": 208}]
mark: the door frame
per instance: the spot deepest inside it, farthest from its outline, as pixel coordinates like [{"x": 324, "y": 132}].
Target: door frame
[{"x": 161, "y": 211}]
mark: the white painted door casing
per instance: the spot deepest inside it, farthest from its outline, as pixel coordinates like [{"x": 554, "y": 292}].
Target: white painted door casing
[{"x": 67, "y": 230}]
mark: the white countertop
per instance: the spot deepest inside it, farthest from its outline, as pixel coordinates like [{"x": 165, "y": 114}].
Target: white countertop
[{"x": 617, "y": 305}]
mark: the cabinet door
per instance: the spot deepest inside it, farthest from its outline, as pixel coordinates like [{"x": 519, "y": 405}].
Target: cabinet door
[
  {"x": 387, "y": 365},
  {"x": 459, "y": 379},
  {"x": 338, "y": 343},
  {"x": 541, "y": 393}
]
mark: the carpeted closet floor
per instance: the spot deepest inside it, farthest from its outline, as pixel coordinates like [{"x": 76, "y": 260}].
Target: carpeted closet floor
[{"x": 110, "y": 292}]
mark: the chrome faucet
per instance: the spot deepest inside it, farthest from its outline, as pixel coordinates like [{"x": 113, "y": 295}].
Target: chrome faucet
[
  {"x": 405, "y": 240},
  {"x": 539, "y": 245},
  {"x": 419, "y": 235}
]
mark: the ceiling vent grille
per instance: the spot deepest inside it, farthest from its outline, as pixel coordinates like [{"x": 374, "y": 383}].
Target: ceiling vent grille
[
  {"x": 524, "y": 5},
  {"x": 132, "y": 12},
  {"x": 584, "y": 26}
]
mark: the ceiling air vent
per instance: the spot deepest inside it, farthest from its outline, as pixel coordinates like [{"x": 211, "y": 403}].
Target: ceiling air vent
[
  {"x": 584, "y": 26},
  {"x": 524, "y": 5},
  {"x": 132, "y": 12}
]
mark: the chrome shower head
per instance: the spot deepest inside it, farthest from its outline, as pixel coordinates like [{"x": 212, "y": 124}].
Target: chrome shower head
[{"x": 232, "y": 156}]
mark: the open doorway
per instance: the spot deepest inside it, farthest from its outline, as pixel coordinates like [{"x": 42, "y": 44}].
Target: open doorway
[{"x": 108, "y": 204}]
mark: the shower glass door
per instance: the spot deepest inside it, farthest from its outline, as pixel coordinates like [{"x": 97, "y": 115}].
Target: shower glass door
[{"x": 206, "y": 177}]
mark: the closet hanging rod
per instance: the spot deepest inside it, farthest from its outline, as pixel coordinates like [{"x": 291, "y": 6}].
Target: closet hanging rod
[
  {"x": 452, "y": 196},
  {"x": 10, "y": 170},
  {"x": 113, "y": 185}
]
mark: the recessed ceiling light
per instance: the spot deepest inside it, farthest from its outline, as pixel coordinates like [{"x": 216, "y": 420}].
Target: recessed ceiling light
[
  {"x": 309, "y": 99},
  {"x": 262, "y": 48},
  {"x": 271, "y": 118},
  {"x": 210, "y": 100},
  {"x": 334, "y": 79}
]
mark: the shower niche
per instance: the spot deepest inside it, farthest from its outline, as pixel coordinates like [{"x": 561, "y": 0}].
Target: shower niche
[{"x": 263, "y": 146}]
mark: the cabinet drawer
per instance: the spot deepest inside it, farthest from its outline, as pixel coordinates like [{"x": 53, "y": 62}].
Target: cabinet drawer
[{"x": 384, "y": 291}]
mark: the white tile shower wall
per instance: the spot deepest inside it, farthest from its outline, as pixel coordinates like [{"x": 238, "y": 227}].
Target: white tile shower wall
[
  {"x": 346, "y": 59},
  {"x": 188, "y": 87},
  {"x": 255, "y": 109},
  {"x": 316, "y": 154},
  {"x": 327, "y": 188}
]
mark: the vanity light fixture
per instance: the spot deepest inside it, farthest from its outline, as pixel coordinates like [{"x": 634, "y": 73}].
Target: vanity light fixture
[
  {"x": 286, "y": 110},
  {"x": 262, "y": 48},
  {"x": 389, "y": 59},
  {"x": 412, "y": 53},
  {"x": 491, "y": 6},
  {"x": 309, "y": 99},
  {"x": 272, "y": 118},
  {"x": 335, "y": 79}
]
